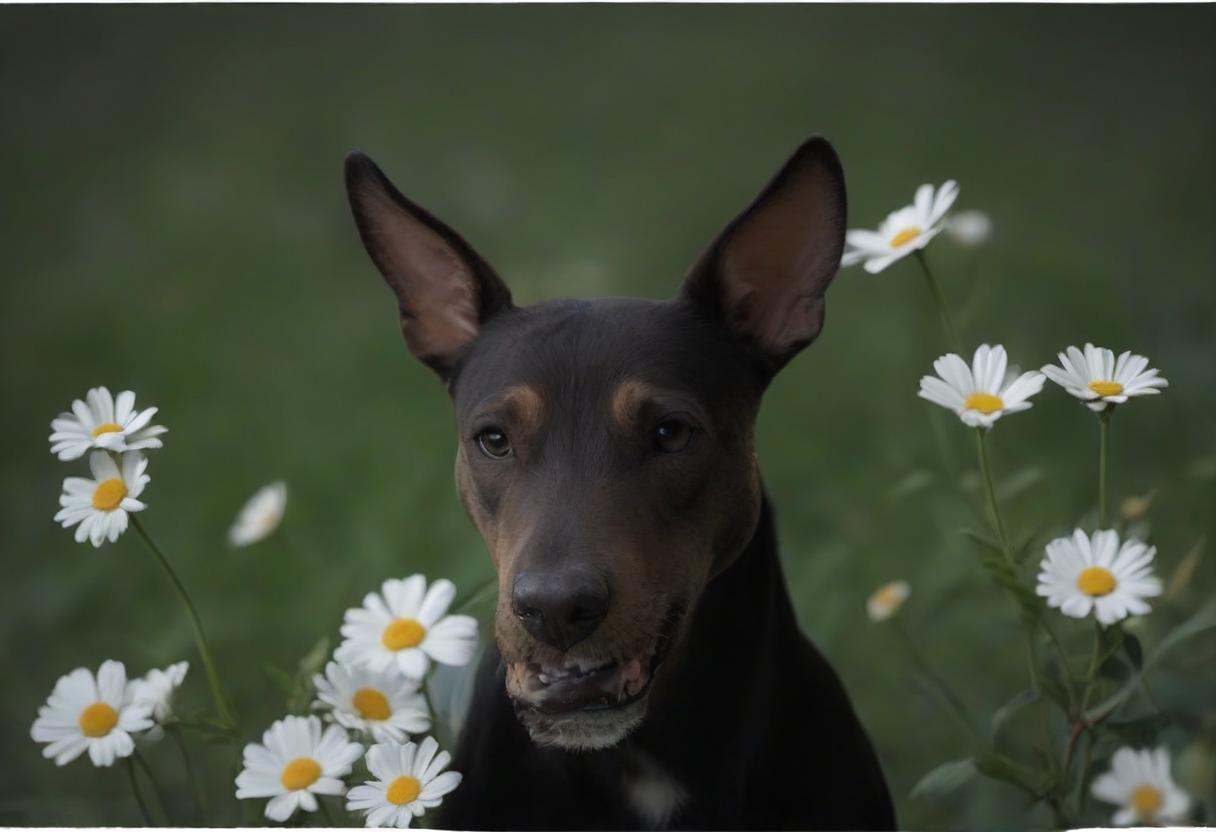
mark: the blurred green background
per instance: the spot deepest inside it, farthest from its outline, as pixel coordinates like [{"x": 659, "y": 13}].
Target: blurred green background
[{"x": 174, "y": 223}]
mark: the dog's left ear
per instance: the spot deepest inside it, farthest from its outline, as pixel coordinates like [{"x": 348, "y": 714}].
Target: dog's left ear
[{"x": 765, "y": 274}]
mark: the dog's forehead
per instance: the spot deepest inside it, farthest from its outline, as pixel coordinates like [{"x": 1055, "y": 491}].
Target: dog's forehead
[{"x": 576, "y": 350}]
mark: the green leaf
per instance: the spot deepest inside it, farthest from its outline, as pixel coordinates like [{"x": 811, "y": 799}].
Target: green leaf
[
  {"x": 314, "y": 660},
  {"x": 1141, "y": 731},
  {"x": 1019, "y": 481},
  {"x": 284, "y": 681},
  {"x": 1011, "y": 707},
  {"x": 944, "y": 779},
  {"x": 1055, "y": 691},
  {"x": 999, "y": 767},
  {"x": 1204, "y": 619},
  {"x": 982, "y": 539}
]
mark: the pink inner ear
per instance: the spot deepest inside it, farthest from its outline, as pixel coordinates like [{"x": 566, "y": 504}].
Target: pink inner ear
[
  {"x": 778, "y": 261},
  {"x": 436, "y": 290}
]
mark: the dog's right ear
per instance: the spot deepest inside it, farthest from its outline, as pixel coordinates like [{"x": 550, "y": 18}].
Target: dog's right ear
[{"x": 445, "y": 291}]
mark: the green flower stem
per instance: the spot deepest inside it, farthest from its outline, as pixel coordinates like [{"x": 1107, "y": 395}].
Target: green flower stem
[
  {"x": 1006, "y": 550},
  {"x": 1082, "y": 730},
  {"x": 1082, "y": 792},
  {"x": 157, "y": 792},
  {"x": 129, "y": 765},
  {"x": 1103, "y": 442},
  {"x": 200, "y": 635},
  {"x": 943, "y": 311},
  {"x": 196, "y": 787},
  {"x": 955, "y": 705}
]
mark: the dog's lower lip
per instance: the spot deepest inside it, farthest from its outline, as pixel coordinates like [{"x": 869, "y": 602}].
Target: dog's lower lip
[{"x": 601, "y": 687}]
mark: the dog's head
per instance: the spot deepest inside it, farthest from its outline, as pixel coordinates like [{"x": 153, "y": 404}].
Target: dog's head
[{"x": 605, "y": 446}]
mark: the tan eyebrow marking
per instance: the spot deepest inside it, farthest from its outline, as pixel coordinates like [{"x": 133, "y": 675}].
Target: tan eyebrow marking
[
  {"x": 525, "y": 404},
  {"x": 628, "y": 399}
]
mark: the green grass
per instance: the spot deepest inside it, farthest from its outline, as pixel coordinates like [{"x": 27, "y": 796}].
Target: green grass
[{"x": 175, "y": 224}]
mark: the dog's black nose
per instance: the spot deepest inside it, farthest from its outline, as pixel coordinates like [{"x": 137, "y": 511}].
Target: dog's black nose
[{"x": 561, "y": 608}]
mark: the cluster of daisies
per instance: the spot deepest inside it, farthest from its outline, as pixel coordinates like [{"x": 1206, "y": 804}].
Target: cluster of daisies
[
  {"x": 105, "y": 713},
  {"x": 114, "y": 434},
  {"x": 1096, "y": 574},
  {"x": 1082, "y": 574},
  {"x": 371, "y": 703}
]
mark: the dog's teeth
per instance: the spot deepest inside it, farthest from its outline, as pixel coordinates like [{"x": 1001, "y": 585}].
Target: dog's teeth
[{"x": 545, "y": 678}]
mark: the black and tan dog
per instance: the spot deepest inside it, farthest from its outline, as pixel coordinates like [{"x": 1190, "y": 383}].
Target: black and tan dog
[{"x": 648, "y": 670}]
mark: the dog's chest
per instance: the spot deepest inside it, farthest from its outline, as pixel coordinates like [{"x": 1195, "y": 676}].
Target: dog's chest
[{"x": 651, "y": 792}]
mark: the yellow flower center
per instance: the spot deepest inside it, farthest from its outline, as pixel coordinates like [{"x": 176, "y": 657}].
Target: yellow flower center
[
  {"x": 1106, "y": 388},
  {"x": 1146, "y": 800},
  {"x": 889, "y": 595},
  {"x": 109, "y": 494},
  {"x": 904, "y": 236},
  {"x": 97, "y": 720},
  {"x": 984, "y": 403},
  {"x": 403, "y": 790},
  {"x": 106, "y": 427},
  {"x": 300, "y": 773},
  {"x": 1096, "y": 581},
  {"x": 371, "y": 704},
  {"x": 402, "y": 633}
]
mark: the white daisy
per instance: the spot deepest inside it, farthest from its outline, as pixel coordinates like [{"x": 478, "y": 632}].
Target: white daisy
[
  {"x": 103, "y": 422},
  {"x": 100, "y": 505},
  {"x": 94, "y": 714},
  {"x": 887, "y": 600},
  {"x": 294, "y": 763},
  {"x": 260, "y": 515},
  {"x": 969, "y": 228},
  {"x": 904, "y": 231},
  {"x": 157, "y": 689},
  {"x": 982, "y": 393},
  {"x": 1095, "y": 573},
  {"x": 1101, "y": 381},
  {"x": 410, "y": 780},
  {"x": 384, "y": 704},
  {"x": 1140, "y": 783},
  {"x": 405, "y": 626}
]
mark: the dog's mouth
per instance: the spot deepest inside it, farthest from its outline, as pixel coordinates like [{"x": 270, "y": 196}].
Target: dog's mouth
[{"x": 583, "y": 685}]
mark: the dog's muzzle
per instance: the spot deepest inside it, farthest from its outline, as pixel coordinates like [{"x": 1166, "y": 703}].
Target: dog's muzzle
[{"x": 586, "y": 704}]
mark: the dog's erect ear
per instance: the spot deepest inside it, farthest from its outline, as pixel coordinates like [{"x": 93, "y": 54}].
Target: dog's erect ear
[
  {"x": 445, "y": 291},
  {"x": 764, "y": 276}
]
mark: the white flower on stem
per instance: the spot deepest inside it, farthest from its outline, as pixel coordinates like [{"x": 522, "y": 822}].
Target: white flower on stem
[
  {"x": 983, "y": 392},
  {"x": 887, "y": 599},
  {"x": 294, "y": 763},
  {"x": 157, "y": 689},
  {"x": 103, "y": 422},
  {"x": 100, "y": 505},
  {"x": 409, "y": 780},
  {"x": 1100, "y": 380},
  {"x": 260, "y": 515},
  {"x": 384, "y": 704},
  {"x": 904, "y": 231},
  {"x": 405, "y": 626},
  {"x": 969, "y": 228},
  {"x": 97, "y": 714},
  {"x": 1083, "y": 574},
  {"x": 1139, "y": 782}
]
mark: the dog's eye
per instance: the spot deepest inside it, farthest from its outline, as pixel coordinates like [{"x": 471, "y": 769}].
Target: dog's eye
[
  {"x": 494, "y": 443},
  {"x": 672, "y": 436}
]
